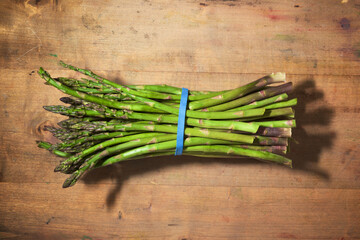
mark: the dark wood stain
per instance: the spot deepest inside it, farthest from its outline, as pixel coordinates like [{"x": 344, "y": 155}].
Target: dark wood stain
[
  {"x": 49, "y": 220},
  {"x": 287, "y": 235},
  {"x": 345, "y": 23},
  {"x": 347, "y": 152},
  {"x": 172, "y": 224}
]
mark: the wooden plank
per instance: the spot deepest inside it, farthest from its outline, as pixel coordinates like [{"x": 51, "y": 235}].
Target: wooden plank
[
  {"x": 186, "y": 36},
  {"x": 159, "y": 212}
]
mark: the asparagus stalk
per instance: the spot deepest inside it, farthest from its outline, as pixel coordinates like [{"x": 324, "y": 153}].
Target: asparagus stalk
[
  {"x": 238, "y": 92},
  {"x": 160, "y": 118},
  {"x": 160, "y": 88},
  {"x": 274, "y": 132},
  {"x": 191, "y": 143},
  {"x": 48, "y": 146},
  {"x": 199, "y": 114},
  {"x": 269, "y": 141},
  {"x": 261, "y": 103},
  {"x": 173, "y": 129},
  {"x": 152, "y": 104},
  {"x": 95, "y": 137},
  {"x": 91, "y": 98},
  {"x": 283, "y": 104},
  {"x": 174, "y": 90},
  {"x": 270, "y": 113},
  {"x": 103, "y": 112},
  {"x": 110, "y": 123},
  {"x": 278, "y": 124},
  {"x": 270, "y": 92},
  {"x": 135, "y": 139}
]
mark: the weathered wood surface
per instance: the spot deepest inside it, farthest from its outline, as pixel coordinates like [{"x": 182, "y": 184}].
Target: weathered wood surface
[{"x": 209, "y": 45}]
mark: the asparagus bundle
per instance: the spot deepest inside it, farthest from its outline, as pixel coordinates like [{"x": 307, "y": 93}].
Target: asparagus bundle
[{"x": 109, "y": 123}]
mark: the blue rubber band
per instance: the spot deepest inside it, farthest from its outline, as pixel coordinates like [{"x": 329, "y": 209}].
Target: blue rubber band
[{"x": 181, "y": 122}]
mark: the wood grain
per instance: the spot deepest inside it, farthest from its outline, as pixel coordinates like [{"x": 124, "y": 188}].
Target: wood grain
[
  {"x": 147, "y": 211},
  {"x": 202, "y": 45}
]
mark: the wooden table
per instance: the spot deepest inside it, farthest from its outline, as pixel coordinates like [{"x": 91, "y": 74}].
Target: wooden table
[{"x": 209, "y": 45}]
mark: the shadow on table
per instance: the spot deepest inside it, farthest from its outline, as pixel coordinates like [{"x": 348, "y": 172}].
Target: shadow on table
[
  {"x": 305, "y": 153},
  {"x": 120, "y": 173},
  {"x": 308, "y": 146}
]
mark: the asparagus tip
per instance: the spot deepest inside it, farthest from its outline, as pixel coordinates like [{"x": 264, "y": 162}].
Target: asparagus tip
[
  {"x": 41, "y": 71},
  {"x": 70, "y": 181},
  {"x": 66, "y": 100},
  {"x": 58, "y": 168}
]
